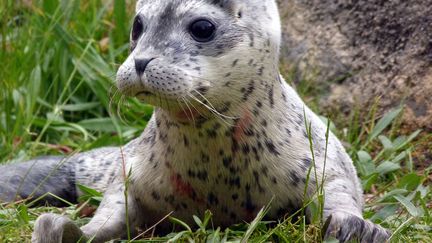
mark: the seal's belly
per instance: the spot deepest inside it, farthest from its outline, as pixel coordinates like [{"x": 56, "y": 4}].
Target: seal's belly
[{"x": 229, "y": 201}]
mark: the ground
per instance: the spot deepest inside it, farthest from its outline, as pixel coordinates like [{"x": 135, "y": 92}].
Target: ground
[{"x": 57, "y": 96}]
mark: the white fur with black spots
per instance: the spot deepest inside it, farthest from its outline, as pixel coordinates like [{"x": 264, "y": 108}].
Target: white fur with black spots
[{"x": 228, "y": 133}]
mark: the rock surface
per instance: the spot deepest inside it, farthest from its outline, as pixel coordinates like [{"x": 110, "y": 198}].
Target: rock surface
[{"x": 360, "y": 50}]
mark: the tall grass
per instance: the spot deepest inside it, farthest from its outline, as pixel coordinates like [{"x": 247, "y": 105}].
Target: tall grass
[{"x": 57, "y": 76}]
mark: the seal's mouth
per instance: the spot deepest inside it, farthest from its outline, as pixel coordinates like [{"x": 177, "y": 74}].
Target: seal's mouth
[
  {"x": 144, "y": 93},
  {"x": 182, "y": 111}
]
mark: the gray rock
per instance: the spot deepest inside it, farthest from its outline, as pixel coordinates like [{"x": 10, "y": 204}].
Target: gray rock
[{"x": 360, "y": 50}]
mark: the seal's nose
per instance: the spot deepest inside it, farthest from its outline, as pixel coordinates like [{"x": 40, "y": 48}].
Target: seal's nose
[{"x": 141, "y": 65}]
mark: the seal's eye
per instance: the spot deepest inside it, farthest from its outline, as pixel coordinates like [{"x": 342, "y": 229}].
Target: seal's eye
[
  {"x": 202, "y": 30},
  {"x": 137, "y": 29}
]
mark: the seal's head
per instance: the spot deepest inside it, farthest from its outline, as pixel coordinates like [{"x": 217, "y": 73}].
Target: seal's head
[{"x": 205, "y": 51}]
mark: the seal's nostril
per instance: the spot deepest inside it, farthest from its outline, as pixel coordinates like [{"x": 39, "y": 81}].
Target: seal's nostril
[{"x": 141, "y": 65}]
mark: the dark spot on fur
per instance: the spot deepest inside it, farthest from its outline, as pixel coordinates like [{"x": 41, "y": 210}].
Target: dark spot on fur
[
  {"x": 248, "y": 204},
  {"x": 202, "y": 175},
  {"x": 271, "y": 97},
  {"x": 185, "y": 141},
  {"x": 307, "y": 162},
  {"x": 224, "y": 209},
  {"x": 202, "y": 90},
  {"x": 261, "y": 71},
  {"x": 257, "y": 181},
  {"x": 205, "y": 158},
  {"x": 155, "y": 196},
  {"x": 294, "y": 178},
  {"x": 212, "y": 199},
  {"x": 245, "y": 149},
  {"x": 249, "y": 131},
  {"x": 225, "y": 108},
  {"x": 249, "y": 90},
  {"x": 227, "y": 161},
  {"x": 284, "y": 98},
  {"x": 234, "y": 147},
  {"x": 259, "y": 104},
  {"x": 99, "y": 177},
  {"x": 234, "y": 182},
  {"x": 264, "y": 171},
  {"x": 271, "y": 147},
  {"x": 235, "y": 62},
  {"x": 211, "y": 133},
  {"x": 191, "y": 174}
]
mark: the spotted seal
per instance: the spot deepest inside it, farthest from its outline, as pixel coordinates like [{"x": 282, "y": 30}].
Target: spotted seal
[{"x": 228, "y": 133}]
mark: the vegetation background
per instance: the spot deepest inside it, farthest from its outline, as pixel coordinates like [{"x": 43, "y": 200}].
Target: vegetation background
[{"x": 57, "y": 95}]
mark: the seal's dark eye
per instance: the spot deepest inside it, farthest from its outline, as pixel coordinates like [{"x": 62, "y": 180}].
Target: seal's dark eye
[
  {"x": 137, "y": 28},
  {"x": 202, "y": 30}
]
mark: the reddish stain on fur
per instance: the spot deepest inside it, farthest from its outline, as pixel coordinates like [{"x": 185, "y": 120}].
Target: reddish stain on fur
[
  {"x": 180, "y": 186},
  {"x": 183, "y": 188},
  {"x": 242, "y": 125}
]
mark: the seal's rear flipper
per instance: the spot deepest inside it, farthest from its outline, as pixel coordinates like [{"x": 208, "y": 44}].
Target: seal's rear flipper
[{"x": 36, "y": 178}]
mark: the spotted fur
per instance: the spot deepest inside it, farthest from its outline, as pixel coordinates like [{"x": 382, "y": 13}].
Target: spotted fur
[{"x": 228, "y": 133}]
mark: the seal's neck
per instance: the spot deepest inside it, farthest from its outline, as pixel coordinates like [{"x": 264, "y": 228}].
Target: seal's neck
[
  {"x": 260, "y": 132},
  {"x": 262, "y": 105}
]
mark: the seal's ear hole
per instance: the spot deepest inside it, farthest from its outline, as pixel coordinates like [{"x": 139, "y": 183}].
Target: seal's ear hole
[
  {"x": 237, "y": 10},
  {"x": 239, "y": 14}
]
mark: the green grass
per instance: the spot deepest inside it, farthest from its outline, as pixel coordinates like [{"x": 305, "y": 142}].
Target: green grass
[{"x": 58, "y": 63}]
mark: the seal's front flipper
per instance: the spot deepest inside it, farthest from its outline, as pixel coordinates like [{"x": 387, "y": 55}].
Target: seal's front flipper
[
  {"x": 346, "y": 227},
  {"x": 52, "y": 228},
  {"x": 343, "y": 210},
  {"x": 108, "y": 223}
]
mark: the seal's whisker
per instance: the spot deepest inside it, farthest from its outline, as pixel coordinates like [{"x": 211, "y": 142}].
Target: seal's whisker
[
  {"x": 211, "y": 105},
  {"x": 182, "y": 109},
  {"x": 116, "y": 98},
  {"x": 198, "y": 110},
  {"x": 205, "y": 99},
  {"x": 119, "y": 113},
  {"x": 215, "y": 112},
  {"x": 111, "y": 100},
  {"x": 225, "y": 123},
  {"x": 191, "y": 113},
  {"x": 119, "y": 104},
  {"x": 212, "y": 109}
]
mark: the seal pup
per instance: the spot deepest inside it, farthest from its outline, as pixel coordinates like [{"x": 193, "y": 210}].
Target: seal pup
[{"x": 228, "y": 134}]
